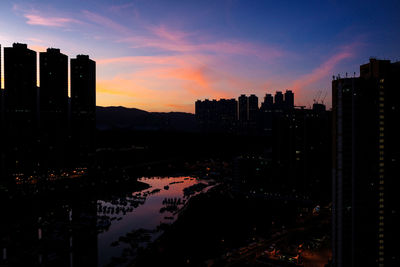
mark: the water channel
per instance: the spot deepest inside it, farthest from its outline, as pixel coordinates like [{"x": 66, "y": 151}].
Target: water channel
[{"x": 105, "y": 231}]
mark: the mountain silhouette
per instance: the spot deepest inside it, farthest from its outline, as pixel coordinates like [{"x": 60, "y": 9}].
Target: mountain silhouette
[{"x": 108, "y": 118}]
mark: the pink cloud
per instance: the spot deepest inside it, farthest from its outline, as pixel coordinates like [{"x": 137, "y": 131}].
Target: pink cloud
[
  {"x": 167, "y": 39},
  {"x": 105, "y": 22},
  {"x": 138, "y": 60},
  {"x": 167, "y": 34},
  {"x": 50, "y": 19},
  {"x": 118, "y": 8},
  {"x": 324, "y": 70},
  {"x": 35, "y": 19}
]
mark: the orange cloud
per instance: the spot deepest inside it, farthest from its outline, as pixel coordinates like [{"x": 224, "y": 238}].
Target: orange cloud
[{"x": 38, "y": 48}]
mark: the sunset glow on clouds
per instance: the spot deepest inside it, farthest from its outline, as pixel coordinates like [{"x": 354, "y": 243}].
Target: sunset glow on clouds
[{"x": 163, "y": 55}]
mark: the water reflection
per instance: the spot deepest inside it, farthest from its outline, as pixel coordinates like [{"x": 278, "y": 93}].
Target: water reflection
[
  {"x": 91, "y": 231},
  {"x": 134, "y": 229}
]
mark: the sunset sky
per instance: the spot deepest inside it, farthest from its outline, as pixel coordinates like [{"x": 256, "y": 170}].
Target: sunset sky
[{"x": 163, "y": 55}]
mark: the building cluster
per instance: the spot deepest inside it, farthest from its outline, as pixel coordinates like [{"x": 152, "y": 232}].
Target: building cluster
[
  {"x": 243, "y": 114},
  {"x": 297, "y": 140},
  {"x": 42, "y": 127},
  {"x": 366, "y": 164}
]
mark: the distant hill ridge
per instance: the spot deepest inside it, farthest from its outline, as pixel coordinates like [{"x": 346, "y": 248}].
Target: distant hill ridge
[{"x": 108, "y": 118}]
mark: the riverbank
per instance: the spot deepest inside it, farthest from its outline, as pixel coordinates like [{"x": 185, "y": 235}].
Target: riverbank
[{"x": 216, "y": 223}]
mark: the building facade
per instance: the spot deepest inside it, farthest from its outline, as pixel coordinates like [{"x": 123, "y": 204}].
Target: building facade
[
  {"x": 365, "y": 165},
  {"x": 53, "y": 106},
  {"x": 43, "y": 129},
  {"x": 83, "y": 106},
  {"x": 21, "y": 104}
]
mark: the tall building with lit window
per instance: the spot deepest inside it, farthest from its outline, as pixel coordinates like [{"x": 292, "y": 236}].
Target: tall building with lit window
[
  {"x": 53, "y": 108},
  {"x": 83, "y": 105},
  {"x": 289, "y": 99},
  {"x": 2, "y": 126},
  {"x": 278, "y": 100},
  {"x": 366, "y": 163},
  {"x": 20, "y": 105},
  {"x": 252, "y": 112},
  {"x": 243, "y": 105}
]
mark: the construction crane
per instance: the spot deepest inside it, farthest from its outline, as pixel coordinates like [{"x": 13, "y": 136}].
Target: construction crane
[
  {"x": 318, "y": 95},
  {"x": 323, "y": 99}
]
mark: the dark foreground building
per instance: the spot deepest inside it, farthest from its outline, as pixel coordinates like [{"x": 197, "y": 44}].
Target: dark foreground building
[
  {"x": 20, "y": 107},
  {"x": 41, "y": 131},
  {"x": 83, "y": 106},
  {"x": 366, "y": 162},
  {"x": 296, "y": 148},
  {"x": 53, "y": 107}
]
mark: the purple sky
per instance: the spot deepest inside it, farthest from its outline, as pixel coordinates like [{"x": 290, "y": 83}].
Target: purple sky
[{"x": 163, "y": 55}]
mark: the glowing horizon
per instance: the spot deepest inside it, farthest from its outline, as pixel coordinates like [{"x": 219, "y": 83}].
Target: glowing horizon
[{"x": 159, "y": 56}]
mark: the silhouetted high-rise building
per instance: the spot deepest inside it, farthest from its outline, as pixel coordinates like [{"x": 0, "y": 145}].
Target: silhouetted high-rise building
[
  {"x": 268, "y": 102},
  {"x": 319, "y": 107},
  {"x": 53, "y": 81},
  {"x": 2, "y": 127},
  {"x": 366, "y": 161},
  {"x": 53, "y": 105},
  {"x": 252, "y": 108},
  {"x": 83, "y": 104},
  {"x": 243, "y": 108},
  {"x": 278, "y": 100},
  {"x": 20, "y": 105},
  {"x": 289, "y": 99},
  {"x": 216, "y": 115},
  {"x": 20, "y": 79},
  {"x": 227, "y": 111}
]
